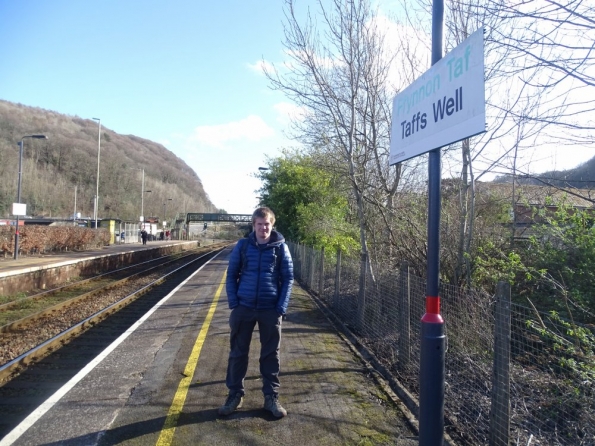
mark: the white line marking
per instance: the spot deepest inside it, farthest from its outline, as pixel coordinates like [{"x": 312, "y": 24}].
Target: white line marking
[{"x": 18, "y": 431}]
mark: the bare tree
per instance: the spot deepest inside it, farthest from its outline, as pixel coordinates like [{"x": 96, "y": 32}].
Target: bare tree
[
  {"x": 339, "y": 76},
  {"x": 539, "y": 55},
  {"x": 558, "y": 40}
]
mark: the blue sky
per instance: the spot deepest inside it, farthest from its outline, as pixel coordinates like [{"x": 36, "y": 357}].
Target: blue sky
[{"x": 181, "y": 73}]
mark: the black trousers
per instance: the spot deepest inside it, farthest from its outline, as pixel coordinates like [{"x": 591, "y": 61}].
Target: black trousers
[{"x": 242, "y": 322}]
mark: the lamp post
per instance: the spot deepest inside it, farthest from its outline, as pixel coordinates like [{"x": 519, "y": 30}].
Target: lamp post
[
  {"x": 165, "y": 211},
  {"x": 16, "y": 234},
  {"x": 142, "y": 195},
  {"x": 97, "y": 187},
  {"x": 74, "y": 214},
  {"x": 146, "y": 191},
  {"x": 142, "y": 198}
]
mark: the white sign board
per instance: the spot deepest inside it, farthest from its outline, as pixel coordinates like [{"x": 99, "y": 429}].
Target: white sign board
[
  {"x": 19, "y": 209},
  {"x": 446, "y": 104}
]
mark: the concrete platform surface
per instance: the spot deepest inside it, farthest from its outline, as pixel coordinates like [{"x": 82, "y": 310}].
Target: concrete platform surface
[
  {"x": 163, "y": 382},
  {"x": 27, "y": 263}
]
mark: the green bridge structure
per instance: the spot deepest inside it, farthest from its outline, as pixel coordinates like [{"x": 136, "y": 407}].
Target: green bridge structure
[
  {"x": 181, "y": 228},
  {"x": 223, "y": 218}
]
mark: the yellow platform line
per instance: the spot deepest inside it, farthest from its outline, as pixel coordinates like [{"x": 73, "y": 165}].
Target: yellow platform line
[{"x": 169, "y": 426}]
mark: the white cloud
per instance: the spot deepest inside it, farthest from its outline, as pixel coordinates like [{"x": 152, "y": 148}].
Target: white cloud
[
  {"x": 291, "y": 56},
  {"x": 261, "y": 66},
  {"x": 287, "y": 112},
  {"x": 234, "y": 190},
  {"x": 253, "y": 128},
  {"x": 227, "y": 156}
]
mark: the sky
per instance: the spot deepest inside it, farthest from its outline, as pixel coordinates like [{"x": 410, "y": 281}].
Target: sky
[{"x": 183, "y": 73}]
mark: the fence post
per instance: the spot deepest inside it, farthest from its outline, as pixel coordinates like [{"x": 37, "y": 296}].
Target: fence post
[
  {"x": 311, "y": 270},
  {"x": 321, "y": 274},
  {"x": 297, "y": 261},
  {"x": 361, "y": 304},
  {"x": 405, "y": 316},
  {"x": 302, "y": 259},
  {"x": 337, "y": 280},
  {"x": 500, "y": 409}
]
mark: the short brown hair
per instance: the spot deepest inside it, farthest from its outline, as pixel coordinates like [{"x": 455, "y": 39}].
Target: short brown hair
[{"x": 263, "y": 212}]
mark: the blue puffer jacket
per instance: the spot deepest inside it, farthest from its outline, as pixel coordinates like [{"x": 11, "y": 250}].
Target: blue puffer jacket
[{"x": 262, "y": 285}]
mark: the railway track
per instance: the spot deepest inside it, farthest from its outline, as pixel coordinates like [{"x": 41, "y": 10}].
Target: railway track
[
  {"x": 62, "y": 339},
  {"x": 19, "y": 307}
]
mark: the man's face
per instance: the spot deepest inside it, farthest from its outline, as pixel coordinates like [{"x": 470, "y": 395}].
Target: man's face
[{"x": 262, "y": 228}]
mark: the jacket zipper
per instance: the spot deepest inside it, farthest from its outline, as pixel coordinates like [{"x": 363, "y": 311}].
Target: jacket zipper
[{"x": 258, "y": 278}]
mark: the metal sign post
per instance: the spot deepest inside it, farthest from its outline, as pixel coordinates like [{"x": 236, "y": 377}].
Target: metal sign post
[
  {"x": 433, "y": 340},
  {"x": 445, "y": 105}
]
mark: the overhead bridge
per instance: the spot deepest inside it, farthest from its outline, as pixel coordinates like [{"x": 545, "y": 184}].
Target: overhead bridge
[
  {"x": 231, "y": 218},
  {"x": 193, "y": 225}
]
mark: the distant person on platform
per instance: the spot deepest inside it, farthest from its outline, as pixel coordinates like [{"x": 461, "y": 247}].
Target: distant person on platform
[
  {"x": 259, "y": 281},
  {"x": 143, "y": 236}
]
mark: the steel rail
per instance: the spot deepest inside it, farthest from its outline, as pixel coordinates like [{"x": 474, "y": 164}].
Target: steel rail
[
  {"x": 11, "y": 326},
  {"x": 42, "y": 350},
  {"x": 38, "y": 296}
]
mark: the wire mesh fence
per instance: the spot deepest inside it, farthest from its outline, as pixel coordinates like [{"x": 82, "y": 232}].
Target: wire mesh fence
[{"x": 513, "y": 375}]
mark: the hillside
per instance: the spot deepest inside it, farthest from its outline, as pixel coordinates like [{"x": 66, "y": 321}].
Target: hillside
[
  {"x": 67, "y": 160},
  {"x": 580, "y": 177}
]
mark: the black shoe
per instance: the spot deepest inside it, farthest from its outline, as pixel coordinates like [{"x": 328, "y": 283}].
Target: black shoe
[{"x": 233, "y": 402}]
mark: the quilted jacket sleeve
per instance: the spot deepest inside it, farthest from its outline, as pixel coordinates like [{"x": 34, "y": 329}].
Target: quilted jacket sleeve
[
  {"x": 286, "y": 272},
  {"x": 233, "y": 274}
]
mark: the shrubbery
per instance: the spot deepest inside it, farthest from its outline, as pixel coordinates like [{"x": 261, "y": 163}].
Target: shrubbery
[
  {"x": 552, "y": 269},
  {"x": 44, "y": 239}
]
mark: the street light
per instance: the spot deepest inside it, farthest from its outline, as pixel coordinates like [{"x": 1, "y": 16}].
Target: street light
[
  {"x": 143, "y": 191},
  {"x": 16, "y": 234},
  {"x": 165, "y": 211},
  {"x": 263, "y": 168},
  {"x": 97, "y": 187},
  {"x": 142, "y": 197},
  {"x": 74, "y": 214}
]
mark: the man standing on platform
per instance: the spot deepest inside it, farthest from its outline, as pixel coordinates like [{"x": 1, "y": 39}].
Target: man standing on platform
[{"x": 259, "y": 281}]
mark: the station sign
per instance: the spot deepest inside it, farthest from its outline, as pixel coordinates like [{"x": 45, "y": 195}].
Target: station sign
[
  {"x": 19, "y": 209},
  {"x": 445, "y": 105}
]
